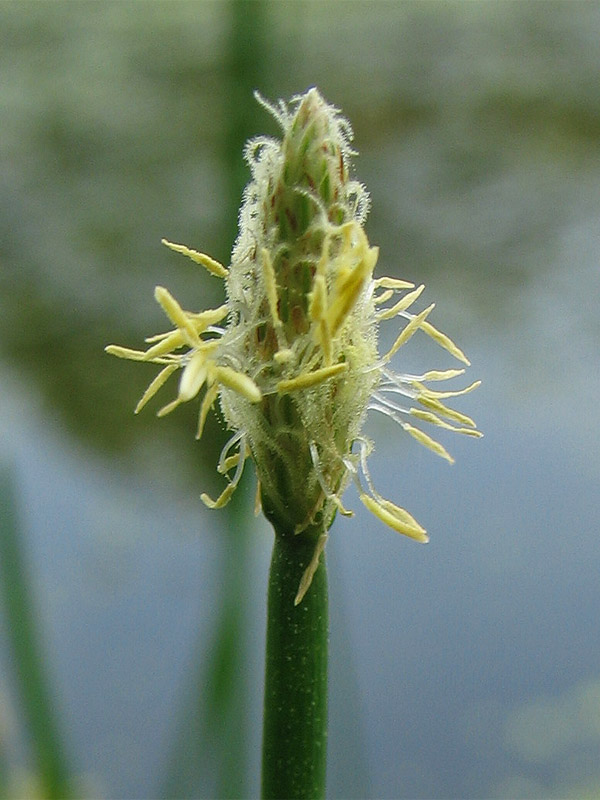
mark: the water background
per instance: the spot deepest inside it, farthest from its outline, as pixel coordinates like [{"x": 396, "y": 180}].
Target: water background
[{"x": 466, "y": 668}]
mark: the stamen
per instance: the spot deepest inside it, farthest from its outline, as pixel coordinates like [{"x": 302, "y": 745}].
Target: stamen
[
  {"x": 193, "y": 376},
  {"x": 326, "y": 342},
  {"x": 176, "y": 314},
  {"x": 425, "y": 392},
  {"x": 430, "y": 443},
  {"x": 205, "y": 319},
  {"x": 221, "y": 500},
  {"x": 329, "y": 494},
  {"x": 237, "y": 437},
  {"x": 168, "y": 408},
  {"x": 400, "y": 512},
  {"x": 125, "y": 352},
  {"x": 395, "y": 388},
  {"x": 271, "y": 290},
  {"x": 318, "y": 299},
  {"x": 158, "y": 337},
  {"x": 284, "y": 356},
  {"x": 349, "y": 286},
  {"x": 365, "y": 450},
  {"x": 397, "y": 518},
  {"x": 156, "y": 384},
  {"x": 433, "y": 419},
  {"x": 207, "y": 403},
  {"x": 318, "y": 313},
  {"x": 412, "y": 327},
  {"x": 225, "y": 495},
  {"x": 445, "y": 342},
  {"x": 449, "y": 413},
  {"x": 384, "y": 401},
  {"x": 383, "y": 297},
  {"x": 229, "y": 463},
  {"x": 392, "y": 283},
  {"x": 439, "y": 375},
  {"x": 309, "y": 379},
  {"x": 239, "y": 382},
  {"x": 214, "y": 267},
  {"x": 396, "y": 521},
  {"x": 170, "y": 342},
  {"x": 402, "y": 304}
]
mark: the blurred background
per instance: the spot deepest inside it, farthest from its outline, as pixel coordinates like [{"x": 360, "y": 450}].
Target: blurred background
[{"x": 132, "y": 617}]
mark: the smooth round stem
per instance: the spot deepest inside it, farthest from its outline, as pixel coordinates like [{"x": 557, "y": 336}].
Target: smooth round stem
[{"x": 295, "y": 712}]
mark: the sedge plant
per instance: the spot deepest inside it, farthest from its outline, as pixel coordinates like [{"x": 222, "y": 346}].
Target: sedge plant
[{"x": 291, "y": 359}]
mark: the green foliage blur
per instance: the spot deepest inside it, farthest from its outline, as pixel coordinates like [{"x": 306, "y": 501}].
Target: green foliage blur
[{"x": 123, "y": 123}]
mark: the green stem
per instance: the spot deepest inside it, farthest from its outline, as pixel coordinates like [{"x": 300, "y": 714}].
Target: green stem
[
  {"x": 295, "y": 712},
  {"x": 24, "y": 642}
]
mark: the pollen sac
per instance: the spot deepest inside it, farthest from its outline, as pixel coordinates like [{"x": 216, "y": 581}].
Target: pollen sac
[{"x": 304, "y": 323}]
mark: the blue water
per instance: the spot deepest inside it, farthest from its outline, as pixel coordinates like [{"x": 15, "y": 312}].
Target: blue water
[{"x": 441, "y": 647}]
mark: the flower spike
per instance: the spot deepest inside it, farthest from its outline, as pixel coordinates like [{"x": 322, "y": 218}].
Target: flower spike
[{"x": 292, "y": 356}]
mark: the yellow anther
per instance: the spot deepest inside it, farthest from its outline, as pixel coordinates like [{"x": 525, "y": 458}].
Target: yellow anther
[
  {"x": 208, "y": 345},
  {"x": 284, "y": 356},
  {"x": 441, "y": 408},
  {"x": 211, "y": 316},
  {"x": 402, "y": 304},
  {"x": 318, "y": 299},
  {"x": 207, "y": 402},
  {"x": 392, "y": 517},
  {"x": 193, "y": 376},
  {"x": 412, "y": 327},
  {"x": 326, "y": 342},
  {"x": 158, "y": 337},
  {"x": 383, "y": 297},
  {"x": 239, "y": 382},
  {"x": 318, "y": 313},
  {"x": 270, "y": 287},
  {"x": 433, "y": 419},
  {"x": 340, "y": 506},
  {"x": 168, "y": 343},
  {"x": 402, "y": 514},
  {"x": 426, "y": 440},
  {"x": 308, "y": 379},
  {"x": 168, "y": 408},
  {"x": 156, "y": 384},
  {"x": 125, "y": 352},
  {"x": 229, "y": 463},
  {"x": 392, "y": 283},
  {"x": 171, "y": 340},
  {"x": 349, "y": 228},
  {"x": 440, "y": 395},
  {"x": 214, "y": 267},
  {"x": 442, "y": 375},
  {"x": 348, "y": 288},
  {"x": 309, "y": 572},
  {"x": 221, "y": 500},
  {"x": 176, "y": 314},
  {"x": 445, "y": 342}
]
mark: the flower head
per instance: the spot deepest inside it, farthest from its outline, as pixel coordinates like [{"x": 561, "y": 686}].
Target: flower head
[{"x": 292, "y": 356}]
